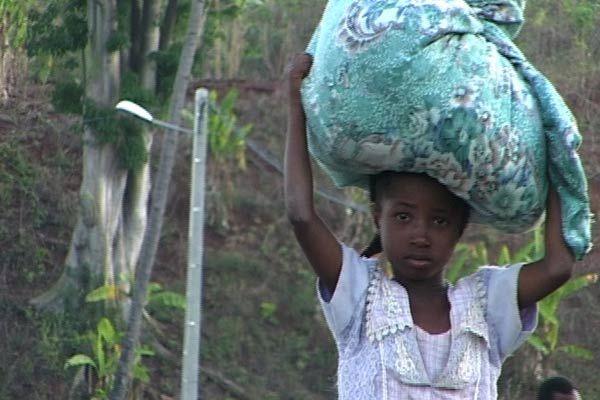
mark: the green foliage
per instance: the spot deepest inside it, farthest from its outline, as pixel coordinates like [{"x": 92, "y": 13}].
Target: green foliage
[
  {"x": 467, "y": 258},
  {"x": 268, "y": 311},
  {"x": 255, "y": 40},
  {"x": 227, "y": 148},
  {"x": 20, "y": 201},
  {"x": 123, "y": 132},
  {"x": 67, "y": 97},
  {"x": 546, "y": 340},
  {"x": 109, "y": 126},
  {"x": 156, "y": 295},
  {"x": 59, "y": 27},
  {"x": 103, "y": 344},
  {"x": 55, "y": 31},
  {"x": 266, "y": 351},
  {"x": 16, "y": 22},
  {"x": 104, "y": 358},
  {"x": 35, "y": 346},
  {"x": 131, "y": 89},
  {"x": 161, "y": 298},
  {"x": 17, "y": 175},
  {"x": 118, "y": 40},
  {"x": 583, "y": 14},
  {"x": 167, "y": 61},
  {"x": 106, "y": 293},
  {"x": 226, "y": 138}
]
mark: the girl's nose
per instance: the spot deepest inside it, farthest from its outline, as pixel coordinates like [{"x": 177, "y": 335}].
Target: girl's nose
[
  {"x": 420, "y": 241},
  {"x": 420, "y": 237}
]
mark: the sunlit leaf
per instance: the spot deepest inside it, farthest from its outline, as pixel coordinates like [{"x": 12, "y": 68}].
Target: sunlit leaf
[
  {"x": 538, "y": 344},
  {"x": 106, "y": 292},
  {"x": 80, "y": 360},
  {"x": 577, "y": 351}
]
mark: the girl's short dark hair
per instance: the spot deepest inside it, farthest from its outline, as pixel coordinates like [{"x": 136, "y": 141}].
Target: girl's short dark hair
[
  {"x": 555, "y": 384},
  {"x": 381, "y": 180}
]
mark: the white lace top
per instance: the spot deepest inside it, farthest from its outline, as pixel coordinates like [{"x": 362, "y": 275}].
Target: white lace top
[{"x": 380, "y": 348}]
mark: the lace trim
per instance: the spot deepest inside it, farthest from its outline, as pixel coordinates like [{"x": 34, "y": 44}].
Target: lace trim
[
  {"x": 474, "y": 319},
  {"x": 464, "y": 362},
  {"x": 386, "y": 316}
]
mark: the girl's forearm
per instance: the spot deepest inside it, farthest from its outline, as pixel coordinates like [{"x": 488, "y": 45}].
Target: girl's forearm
[
  {"x": 298, "y": 179},
  {"x": 560, "y": 260},
  {"x": 538, "y": 279}
]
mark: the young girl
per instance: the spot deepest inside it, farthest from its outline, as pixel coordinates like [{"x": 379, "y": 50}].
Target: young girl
[{"x": 414, "y": 336}]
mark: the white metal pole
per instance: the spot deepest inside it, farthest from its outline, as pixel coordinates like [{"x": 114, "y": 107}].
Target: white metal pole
[{"x": 191, "y": 343}]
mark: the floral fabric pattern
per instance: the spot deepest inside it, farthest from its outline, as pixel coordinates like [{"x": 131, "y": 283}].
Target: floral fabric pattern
[{"x": 439, "y": 87}]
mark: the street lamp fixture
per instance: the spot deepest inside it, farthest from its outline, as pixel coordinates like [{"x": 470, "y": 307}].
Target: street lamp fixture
[{"x": 140, "y": 112}]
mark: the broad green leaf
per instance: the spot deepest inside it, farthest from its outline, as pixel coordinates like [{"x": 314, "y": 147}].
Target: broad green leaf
[
  {"x": 577, "y": 283},
  {"x": 154, "y": 287},
  {"x": 538, "y": 344},
  {"x": 525, "y": 253},
  {"x": 504, "y": 257},
  {"x": 106, "y": 292},
  {"x": 100, "y": 356},
  {"x": 538, "y": 239},
  {"x": 552, "y": 336},
  {"x": 455, "y": 269},
  {"x": 169, "y": 299},
  {"x": 79, "y": 360},
  {"x": 141, "y": 372},
  {"x": 547, "y": 311},
  {"x": 107, "y": 332},
  {"x": 577, "y": 351},
  {"x": 481, "y": 254},
  {"x": 145, "y": 351}
]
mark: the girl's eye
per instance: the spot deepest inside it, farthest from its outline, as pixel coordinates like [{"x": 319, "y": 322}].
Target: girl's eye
[
  {"x": 441, "y": 221},
  {"x": 401, "y": 216}
]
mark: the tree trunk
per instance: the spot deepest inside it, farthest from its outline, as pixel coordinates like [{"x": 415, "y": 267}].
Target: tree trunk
[
  {"x": 150, "y": 38},
  {"x": 159, "y": 199},
  {"x": 236, "y": 46},
  {"x": 166, "y": 30},
  {"x": 112, "y": 205},
  {"x": 13, "y": 61},
  {"x": 135, "y": 37},
  {"x": 103, "y": 183}
]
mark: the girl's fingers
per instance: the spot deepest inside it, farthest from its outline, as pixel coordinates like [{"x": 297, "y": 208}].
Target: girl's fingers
[{"x": 299, "y": 66}]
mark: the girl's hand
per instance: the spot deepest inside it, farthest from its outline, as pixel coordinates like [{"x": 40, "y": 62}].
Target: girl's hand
[{"x": 298, "y": 69}]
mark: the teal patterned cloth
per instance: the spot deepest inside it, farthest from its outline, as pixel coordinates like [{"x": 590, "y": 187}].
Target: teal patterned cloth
[{"x": 439, "y": 87}]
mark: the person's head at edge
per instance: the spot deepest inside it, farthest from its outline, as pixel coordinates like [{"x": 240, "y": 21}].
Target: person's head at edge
[{"x": 557, "y": 388}]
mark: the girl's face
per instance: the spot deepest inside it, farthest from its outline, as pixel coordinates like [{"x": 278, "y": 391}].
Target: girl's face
[{"x": 420, "y": 223}]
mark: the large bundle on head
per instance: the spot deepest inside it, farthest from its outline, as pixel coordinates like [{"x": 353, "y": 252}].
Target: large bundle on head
[{"x": 438, "y": 87}]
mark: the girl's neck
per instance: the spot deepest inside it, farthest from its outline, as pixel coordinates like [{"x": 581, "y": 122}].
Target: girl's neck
[
  {"x": 432, "y": 295},
  {"x": 436, "y": 287},
  {"x": 429, "y": 305}
]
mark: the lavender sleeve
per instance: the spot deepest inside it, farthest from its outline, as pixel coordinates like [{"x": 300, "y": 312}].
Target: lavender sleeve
[
  {"x": 511, "y": 325},
  {"x": 340, "y": 306}
]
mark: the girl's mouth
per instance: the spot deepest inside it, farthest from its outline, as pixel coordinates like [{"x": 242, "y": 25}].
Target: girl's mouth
[{"x": 418, "y": 261}]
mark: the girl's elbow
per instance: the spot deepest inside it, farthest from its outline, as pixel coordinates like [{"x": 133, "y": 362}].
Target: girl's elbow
[
  {"x": 298, "y": 215},
  {"x": 562, "y": 270}
]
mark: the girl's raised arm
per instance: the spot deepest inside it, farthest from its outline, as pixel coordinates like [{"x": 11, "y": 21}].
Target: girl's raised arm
[
  {"x": 540, "y": 278},
  {"x": 320, "y": 246}
]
